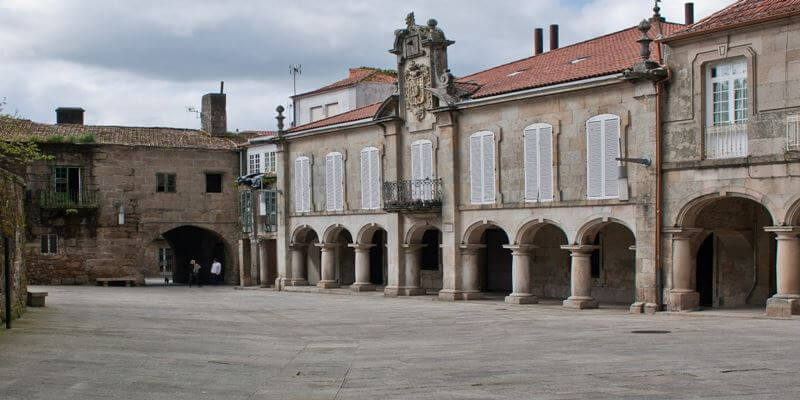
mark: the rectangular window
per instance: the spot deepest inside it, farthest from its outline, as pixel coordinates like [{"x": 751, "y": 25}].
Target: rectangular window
[
  {"x": 422, "y": 170},
  {"x": 255, "y": 163},
  {"x": 481, "y": 161},
  {"x": 270, "y": 162},
  {"x": 246, "y": 211},
  {"x": 268, "y": 210},
  {"x": 67, "y": 182},
  {"x": 538, "y": 162},
  {"x": 334, "y": 182},
  {"x": 317, "y": 113},
  {"x": 302, "y": 184},
  {"x": 727, "y": 91},
  {"x": 49, "y": 244},
  {"x": 793, "y": 132},
  {"x": 370, "y": 179},
  {"x": 602, "y": 150},
  {"x": 165, "y": 182},
  {"x": 166, "y": 261},
  {"x": 331, "y": 109},
  {"x": 213, "y": 183}
]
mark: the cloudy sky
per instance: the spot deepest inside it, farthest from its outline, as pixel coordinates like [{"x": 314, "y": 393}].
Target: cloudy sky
[{"x": 143, "y": 62}]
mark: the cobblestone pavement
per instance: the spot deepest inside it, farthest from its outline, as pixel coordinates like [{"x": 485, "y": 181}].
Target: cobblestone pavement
[{"x": 220, "y": 343}]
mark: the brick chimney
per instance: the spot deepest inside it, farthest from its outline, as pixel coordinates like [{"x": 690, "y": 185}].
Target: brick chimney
[
  {"x": 69, "y": 115},
  {"x": 688, "y": 13},
  {"x": 553, "y": 37},
  {"x": 538, "y": 41},
  {"x": 213, "y": 114}
]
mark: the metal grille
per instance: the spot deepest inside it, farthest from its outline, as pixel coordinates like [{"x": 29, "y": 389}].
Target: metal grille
[
  {"x": 726, "y": 141},
  {"x": 419, "y": 195}
]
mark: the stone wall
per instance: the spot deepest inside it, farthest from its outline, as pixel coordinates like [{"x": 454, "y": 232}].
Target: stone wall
[{"x": 12, "y": 223}]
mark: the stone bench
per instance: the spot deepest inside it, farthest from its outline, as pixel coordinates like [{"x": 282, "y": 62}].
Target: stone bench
[
  {"x": 127, "y": 280},
  {"x": 36, "y": 299}
]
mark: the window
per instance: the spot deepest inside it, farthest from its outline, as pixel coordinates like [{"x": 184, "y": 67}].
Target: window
[
  {"x": 481, "y": 167},
  {"x": 317, "y": 113},
  {"x": 422, "y": 170},
  {"x": 270, "y": 162},
  {"x": 166, "y": 261},
  {"x": 67, "y": 182},
  {"x": 49, "y": 244},
  {"x": 793, "y": 132},
  {"x": 331, "y": 109},
  {"x": 165, "y": 182},
  {"x": 213, "y": 183},
  {"x": 302, "y": 184},
  {"x": 246, "y": 211},
  {"x": 255, "y": 163},
  {"x": 334, "y": 182},
  {"x": 268, "y": 210},
  {"x": 538, "y": 162},
  {"x": 602, "y": 150},
  {"x": 727, "y": 93},
  {"x": 370, "y": 179}
]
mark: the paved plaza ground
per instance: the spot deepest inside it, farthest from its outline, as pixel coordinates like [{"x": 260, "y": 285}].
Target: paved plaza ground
[{"x": 220, "y": 343}]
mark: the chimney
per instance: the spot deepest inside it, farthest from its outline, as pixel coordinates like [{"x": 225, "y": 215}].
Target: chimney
[
  {"x": 553, "y": 37},
  {"x": 69, "y": 115},
  {"x": 688, "y": 12},
  {"x": 212, "y": 113},
  {"x": 538, "y": 41}
]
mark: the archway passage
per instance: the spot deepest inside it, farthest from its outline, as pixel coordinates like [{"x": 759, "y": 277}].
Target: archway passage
[
  {"x": 345, "y": 258},
  {"x": 550, "y": 264},
  {"x": 613, "y": 264},
  {"x": 378, "y": 258},
  {"x": 495, "y": 273},
  {"x": 202, "y": 245},
  {"x": 305, "y": 258},
  {"x": 735, "y": 256},
  {"x": 431, "y": 261}
]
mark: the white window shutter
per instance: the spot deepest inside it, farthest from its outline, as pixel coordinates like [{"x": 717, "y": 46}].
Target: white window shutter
[
  {"x": 306, "y": 196},
  {"x": 488, "y": 167},
  {"x": 594, "y": 159},
  {"x": 611, "y": 152},
  {"x": 299, "y": 183},
  {"x": 416, "y": 166},
  {"x": 330, "y": 178},
  {"x": 531, "y": 165},
  {"x": 366, "y": 191},
  {"x": 427, "y": 160},
  {"x": 475, "y": 167},
  {"x": 545, "y": 150},
  {"x": 339, "y": 181},
  {"x": 375, "y": 178}
]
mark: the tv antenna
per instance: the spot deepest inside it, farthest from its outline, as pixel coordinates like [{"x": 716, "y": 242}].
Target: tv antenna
[
  {"x": 193, "y": 110},
  {"x": 294, "y": 70}
]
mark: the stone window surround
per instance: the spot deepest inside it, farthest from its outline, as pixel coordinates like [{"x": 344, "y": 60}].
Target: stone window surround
[
  {"x": 554, "y": 131},
  {"x": 495, "y": 167},
  {"x": 221, "y": 177},
  {"x": 434, "y": 150},
  {"x": 310, "y": 158},
  {"x": 334, "y": 207},
  {"x": 708, "y": 97},
  {"x": 380, "y": 149},
  {"x": 50, "y": 238},
  {"x": 602, "y": 118},
  {"x": 166, "y": 176}
]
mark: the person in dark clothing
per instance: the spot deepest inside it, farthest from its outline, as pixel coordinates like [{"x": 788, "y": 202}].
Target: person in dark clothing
[{"x": 194, "y": 273}]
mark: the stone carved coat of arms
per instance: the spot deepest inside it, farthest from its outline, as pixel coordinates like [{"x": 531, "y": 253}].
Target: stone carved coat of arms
[{"x": 418, "y": 100}]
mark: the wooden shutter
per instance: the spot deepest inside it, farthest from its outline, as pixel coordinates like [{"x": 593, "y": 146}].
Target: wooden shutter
[
  {"x": 594, "y": 159},
  {"x": 475, "y": 167},
  {"x": 531, "y": 164},
  {"x": 306, "y": 195},
  {"x": 330, "y": 182},
  {"x": 375, "y": 178},
  {"x": 545, "y": 162},
  {"x": 366, "y": 191},
  {"x": 487, "y": 144},
  {"x": 611, "y": 152},
  {"x": 298, "y": 184},
  {"x": 427, "y": 159},
  {"x": 416, "y": 161},
  {"x": 339, "y": 183}
]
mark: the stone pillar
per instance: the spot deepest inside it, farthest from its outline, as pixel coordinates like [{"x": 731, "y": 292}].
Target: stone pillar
[
  {"x": 580, "y": 277},
  {"x": 468, "y": 278},
  {"x": 786, "y": 302},
  {"x": 328, "y": 260},
  {"x": 255, "y": 276},
  {"x": 683, "y": 296},
  {"x": 244, "y": 262},
  {"x": 298, "y": 268},
  {"x": 413, "y": 265},
  {"x": 362, "y": 283},
  {"x": 521, "y": 275},
  {"x": 263, "y": 264}
]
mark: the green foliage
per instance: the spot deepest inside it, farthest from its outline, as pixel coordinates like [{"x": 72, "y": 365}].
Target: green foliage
[
  {"x": 71, "y": 211},
  {"x": 84, "y": 138},
  {"x": 18, "y": 149}
]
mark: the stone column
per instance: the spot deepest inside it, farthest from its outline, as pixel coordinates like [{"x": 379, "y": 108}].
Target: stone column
[
  {"x": 362, "y": 283},
  {"x": 468, "y": 280},
  {"x": 413, "y": 265},
  {"x": 244, "y": 262},
  {"x": 263, "y": 264},
  {"x": 683, "y": 296},
  {"x": 328, "y": 259},
  {"x": 581, "y": 277},
  {"x": 786, "y": 302},
  {"x": 521, "y": 275},
  {"x": 298, "y": 268},
  {"x": 255, "y": 276}
]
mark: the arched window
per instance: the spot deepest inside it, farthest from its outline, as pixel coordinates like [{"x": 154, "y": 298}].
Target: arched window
[
  {"x": 370, "y": 178},
  {"x": 334, "y": 182},
  {"x": 302, "y": 184},
  {"x": 481, "y": 167},
  {"x": 422, "y": 170},
  {"x": 602, "y": 149},
  {"x": 538, "y": 162}
]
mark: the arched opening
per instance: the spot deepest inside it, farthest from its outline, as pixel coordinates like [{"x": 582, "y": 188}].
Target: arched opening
[
  {"x": 378, "y": 264},
  {"x": 496, "y": 262},
  {"x": 613, "y": 263},
  {"x": 431, "y": 261},
  {"x": 202, "y": 245},
  {"x": 306, "y": 260},
  {"x": 735, "y": 256},
  {"x": 550, "y": 277},
  {"x": 344, "y": 257}
]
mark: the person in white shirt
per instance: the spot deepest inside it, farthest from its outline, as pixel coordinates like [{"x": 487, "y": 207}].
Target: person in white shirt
[{"x": 216, "y": 269}]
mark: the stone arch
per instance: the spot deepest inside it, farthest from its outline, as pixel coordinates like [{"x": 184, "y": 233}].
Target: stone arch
[
  {"x": 589, "y": 229},
  {"x": 365, "y": 234},
  {"x": 696, "y": 202},
  {"x": 302, "y": 233},
  {"x": 415, "y": 232},
  {"x": 332, "y": 232},
  {"x": 473, "y": 233},
  {"x": 190, "y": 241},
  {"x": 528, "y": 229},
  {"x": 793, "y": 212}
]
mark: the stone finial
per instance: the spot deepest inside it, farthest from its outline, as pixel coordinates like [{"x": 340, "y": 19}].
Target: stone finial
[
  {"x": 657, "y": 12},
  {"x": 280, "y": 118},
  {"x": 410, "y": 21},
  {"x": 645, "y": 40}
]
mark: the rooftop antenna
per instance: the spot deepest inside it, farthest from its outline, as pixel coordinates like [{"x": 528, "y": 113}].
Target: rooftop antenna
[
  {"x": 193, "y": 110},
  {"x": 294, "y": 70}
]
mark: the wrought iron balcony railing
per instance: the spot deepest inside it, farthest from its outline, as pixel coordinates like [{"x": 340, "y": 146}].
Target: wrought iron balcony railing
[
  {"x": 414, "y": 195},
  {"x": 51, "y": 199},
  {"x": 726, "y": 141}
]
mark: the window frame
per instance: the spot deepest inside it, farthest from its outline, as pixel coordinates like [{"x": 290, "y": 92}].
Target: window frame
[
  {"x": 51, "y": 239},
  {"x": 602, "y": 118},
  {"x": 299, "y": 186},
  {"x": 336, "y": 183},
  {"x": 246, "y": 210},
  {"x": 535, "y": 129},
  {"x": 219, "y": 176},
  {"x": 368, "y": 188},
  {"x": 254, "y": 163},
  {"x": 484, "y": 199},
  {"x": 270, "y": 162},
  {"x": 422, "y": 192},
  {"x": 165, "y": 177},
  {"x": 731, "y": 80}
]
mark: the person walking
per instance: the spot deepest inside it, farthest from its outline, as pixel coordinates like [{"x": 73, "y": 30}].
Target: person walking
[
  {"x": 216, "y": 270},
  {"x": 195, "y": 273}
]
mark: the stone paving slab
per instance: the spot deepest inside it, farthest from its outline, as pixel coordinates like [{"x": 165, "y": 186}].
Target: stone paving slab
[{"x": 219, "y": 343}]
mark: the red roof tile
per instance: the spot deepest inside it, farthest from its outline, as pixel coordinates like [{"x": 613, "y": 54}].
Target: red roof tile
[
  {"x": 743, "y": 12},
  {"x": 361, "y": 74},
  {"x": 353, "y": 115},
  {"x": 600, "y": 56}
]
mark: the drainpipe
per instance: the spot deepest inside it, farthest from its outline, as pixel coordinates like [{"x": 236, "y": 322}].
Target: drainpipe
[
  {"x": 7, "y": 279},
  {"x": 659, "y": 183}
]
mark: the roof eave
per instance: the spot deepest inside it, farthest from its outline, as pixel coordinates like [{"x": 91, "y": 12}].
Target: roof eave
[
  {"x": 691, "y": 35},
  {"x": 359, "y": 123}
]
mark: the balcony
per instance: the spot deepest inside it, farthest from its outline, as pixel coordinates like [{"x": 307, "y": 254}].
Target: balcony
[
  {"x": 416, "y": 195},
  {"x": 726, "y": 141},
  {"x": 50, "y": 199}
]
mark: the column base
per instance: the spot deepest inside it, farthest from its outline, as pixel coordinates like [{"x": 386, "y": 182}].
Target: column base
[
  {"x": 783, "y": 307},
  {"x": 410, "y": 291},
  {"x": 362, "y": 287},
  {"x": 684, "y": 300},
  {"x": 454, "y": 295},
  {"x": 580, "y": 303},
  {"x": 328, "y": 284},
  {"x": 514, "y": 298},
  {"x": 295, "y": 282}
]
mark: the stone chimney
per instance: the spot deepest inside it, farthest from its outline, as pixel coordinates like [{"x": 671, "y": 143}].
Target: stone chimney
[
  {"x": 69, "y": 115},
  {"x": 688, "y": 13},
  {"x": 553, "y": 37},
  {"x": 213, "y": 114},
  {"x": 538, "y": 41}
]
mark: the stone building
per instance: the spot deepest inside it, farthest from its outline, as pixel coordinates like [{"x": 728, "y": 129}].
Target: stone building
[
  {"x": 13, "y": 269},
  {"x": 130, "y": 201}
]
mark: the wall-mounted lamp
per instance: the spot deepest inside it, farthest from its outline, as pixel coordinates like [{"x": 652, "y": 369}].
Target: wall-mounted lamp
[
  {"x": 121, "y": 215},
  {"x": 644, "y": 161}
]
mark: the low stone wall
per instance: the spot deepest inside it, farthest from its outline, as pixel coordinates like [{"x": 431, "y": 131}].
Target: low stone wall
[{"x": 12, "y": 225}]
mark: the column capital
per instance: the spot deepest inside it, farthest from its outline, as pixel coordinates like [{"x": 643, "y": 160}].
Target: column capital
[
  {"x": 297, "y": 245},
  {"x": 784, "y": 232},
  {"x": 326, "y": 246},
  {"x": 520, "y": 249},
  {"x": 360, "y": 246},
  {"x": 580, "y": 248},
  {"x": 682, "y": 233},
  {"x": 412, "y": 247},
  {"x": 471, "y": 248}
]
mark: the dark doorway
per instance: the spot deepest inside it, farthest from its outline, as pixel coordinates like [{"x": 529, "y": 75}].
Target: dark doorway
[
  {"x": 431, "y": 253},
  {"x": 496, "y": 274},
  {"x": 705, "y": 272},
  {"x": 377, "y": 258},
  {"x": 190, "y": 242}
]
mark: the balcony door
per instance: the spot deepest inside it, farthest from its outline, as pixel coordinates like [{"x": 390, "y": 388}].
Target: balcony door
[
  {"x": 68, "y": 183},
  {"x": 422, "y": 170}
]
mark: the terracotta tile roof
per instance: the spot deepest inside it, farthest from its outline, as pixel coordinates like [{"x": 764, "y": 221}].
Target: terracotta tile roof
[
  {"x": 356, "y": 75},
  {"x": 600, "y": 56},
  {"x": 121, "y": 135},
  {"x": 743, "y": 12},
  {"x": 353, "y": 115}
]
